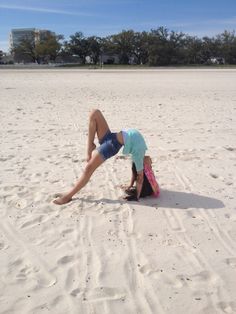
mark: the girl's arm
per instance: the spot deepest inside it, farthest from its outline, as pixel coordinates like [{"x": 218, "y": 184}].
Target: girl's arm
[
  {"x": 132, "y": 180},
  {"x": 139, "y": 183}
]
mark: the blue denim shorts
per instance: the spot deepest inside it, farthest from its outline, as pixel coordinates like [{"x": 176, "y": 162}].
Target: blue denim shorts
[{"x": 109, "y": 145}]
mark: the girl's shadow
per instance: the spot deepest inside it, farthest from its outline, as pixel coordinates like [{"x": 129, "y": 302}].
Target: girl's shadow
[
  {"x": 168, "y": 199},
  {"x": 183, "y": 200}
]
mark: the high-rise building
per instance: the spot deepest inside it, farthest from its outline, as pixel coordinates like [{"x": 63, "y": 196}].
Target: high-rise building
[
  {"x": 19, "y": 34},
  {"x": 41, "y": 34}
]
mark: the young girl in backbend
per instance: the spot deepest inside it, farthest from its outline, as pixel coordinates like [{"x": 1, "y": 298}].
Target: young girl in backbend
[{"x": 110, "y": 144}]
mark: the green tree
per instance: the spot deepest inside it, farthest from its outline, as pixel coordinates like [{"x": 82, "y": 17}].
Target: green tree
[
  {"x": 124, "y": 45},
  {"x": 1, "y": 55},
  {"x": 176, "y": 48},
  {"x": 140, "y": 47},
  {"x": 210, "y": 48},
  {"x": 78, "y": 46},
  {"x": 158, "y": 47},
  {"x": 94, "y": 48},
  {"x": 48, "y": 48},
  {"x": 227, "y": 43},
  {"x": 193, "y": 47},
  {"x": 25, "y": 51}
]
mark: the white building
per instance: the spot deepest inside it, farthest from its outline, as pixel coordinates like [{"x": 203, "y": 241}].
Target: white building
[{"x": 19, "y": 34}]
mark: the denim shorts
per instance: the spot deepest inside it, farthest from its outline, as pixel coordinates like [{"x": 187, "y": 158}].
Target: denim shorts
[{"x": 109, "y": 145}]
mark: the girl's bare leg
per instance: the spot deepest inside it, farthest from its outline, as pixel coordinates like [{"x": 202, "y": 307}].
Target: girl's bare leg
[
  {"x": 91, "y": 166},
  {"x": 97, "y": 124}
]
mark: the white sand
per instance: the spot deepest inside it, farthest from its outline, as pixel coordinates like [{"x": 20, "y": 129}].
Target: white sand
[{"x": 175, "y": 254}]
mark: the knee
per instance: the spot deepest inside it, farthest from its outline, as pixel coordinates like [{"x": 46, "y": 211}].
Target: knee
[
  {"x": 88, "y": 169},
  {"x": 94, "y": 113}
]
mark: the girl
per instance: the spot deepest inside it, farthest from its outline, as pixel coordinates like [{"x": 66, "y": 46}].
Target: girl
[{"x": 110, "y": 144}]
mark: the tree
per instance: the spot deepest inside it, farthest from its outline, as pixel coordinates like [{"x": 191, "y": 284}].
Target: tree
[
  {"x": 25, "y": 51},
  {"x": 193, "y": 47},
  {"x": 158, "y": 47},
  {"x": 227, "y": 43},
  {"x": 140, "y": 50},
  {"x": 43, "y": 50},
  {"x": 124, "y": 45},
  {"x": 210, "y": 48},
  {"x": 1, "y": 56},
  {"x": 48, "y": 48},
  {"x": 94, "y": 48},
  {"x": 176, "y": 47},
  {"x": 78, "y": 46}
]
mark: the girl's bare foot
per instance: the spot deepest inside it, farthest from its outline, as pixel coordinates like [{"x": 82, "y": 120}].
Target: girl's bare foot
[
  {"x": 90, "y": 150},
  {"x": 62, "y": 200}
]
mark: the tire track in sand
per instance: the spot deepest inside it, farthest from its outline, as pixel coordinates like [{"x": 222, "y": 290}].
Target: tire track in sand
[
  {"x": 146, "y": 301},
  {"x": 141, "y": 303},
  {"x": 198, "y": 260},
  {"x": 220, "y": 234}
]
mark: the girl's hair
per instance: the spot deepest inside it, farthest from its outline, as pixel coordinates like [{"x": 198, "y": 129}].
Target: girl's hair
[{"x": 146, "y": 188}]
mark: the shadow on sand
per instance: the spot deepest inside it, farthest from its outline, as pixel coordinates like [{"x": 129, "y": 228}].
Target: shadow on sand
[{"x": 167, "y": 199}]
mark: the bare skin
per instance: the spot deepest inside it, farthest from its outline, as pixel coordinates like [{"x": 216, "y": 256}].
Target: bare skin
[
  {"x": 99, "y": 126},
  {"x": 139, "y": 183},
  {"x": 91, "y": 166}
]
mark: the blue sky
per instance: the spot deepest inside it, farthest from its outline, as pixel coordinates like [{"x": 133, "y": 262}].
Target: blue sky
[{"x": 105, "y": 17}]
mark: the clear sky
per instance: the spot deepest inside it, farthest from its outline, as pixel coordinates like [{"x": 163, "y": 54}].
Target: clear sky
[{"x": 105, "y": 17}]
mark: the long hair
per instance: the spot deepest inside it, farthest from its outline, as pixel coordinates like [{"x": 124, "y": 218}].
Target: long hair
[{"x": 146, "y": 188}]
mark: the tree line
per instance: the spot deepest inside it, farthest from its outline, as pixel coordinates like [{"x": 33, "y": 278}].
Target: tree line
[{"x": 157, "y": 47}]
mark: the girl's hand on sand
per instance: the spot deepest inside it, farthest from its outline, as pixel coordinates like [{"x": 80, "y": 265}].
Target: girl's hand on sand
[
  {"x": 125, "y": 187},
  {"x": 62, "y": 200},
  {"x": 131, "y": 198}
]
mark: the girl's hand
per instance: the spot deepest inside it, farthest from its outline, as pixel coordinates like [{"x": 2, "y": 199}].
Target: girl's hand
[
  {"x": 125, "y": 187},
  {"x": 131, "y": 198}
]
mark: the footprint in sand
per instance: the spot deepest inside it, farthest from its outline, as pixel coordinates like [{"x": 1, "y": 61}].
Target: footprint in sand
[
  {"x": 3, "y": 246},
  {"x": 70, "y": 279},
  {"x": 65, "y": 260},
  {"x": 31, "y": 223},
  {"x": 147, "y": 270},
  {"x": 230, "y": 149},
  {"x": 45, "y": 281},
  {"x": 214, "y": 175},
  {"x": 231, "y": 262},
  {"x": 203, "y": 278},
  {"x": 227, "y": 307},
  {"x": 21, "y": 203},
  {"x": 66, "y": 231},
  {"x": 76, "y": 292},
  {"x": 55, "y": 302},
  {"x": 23, "y": 269},
  {"x": 3, "y": 159},
  {"x": 104, "y": 294}
]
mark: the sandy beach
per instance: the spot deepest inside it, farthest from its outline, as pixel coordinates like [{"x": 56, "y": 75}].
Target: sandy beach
[{"x": 99, "y": 254}]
